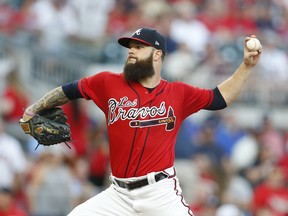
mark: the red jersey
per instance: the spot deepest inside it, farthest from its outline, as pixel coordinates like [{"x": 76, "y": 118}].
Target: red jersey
[{"x": 142, "y": 126}]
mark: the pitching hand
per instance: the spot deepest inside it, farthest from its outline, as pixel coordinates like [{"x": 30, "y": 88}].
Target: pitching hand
[{"x": 251, "y": 58}]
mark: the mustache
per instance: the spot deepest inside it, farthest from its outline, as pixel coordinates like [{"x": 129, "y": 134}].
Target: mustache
[{"x": 132, "y": 57}]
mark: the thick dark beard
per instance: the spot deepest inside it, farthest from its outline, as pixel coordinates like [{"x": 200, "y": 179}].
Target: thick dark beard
[{"x": 141, "y": 69}]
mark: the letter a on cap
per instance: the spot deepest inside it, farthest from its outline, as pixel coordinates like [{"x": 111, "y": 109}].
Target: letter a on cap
[{"x": 137, "y": 32}]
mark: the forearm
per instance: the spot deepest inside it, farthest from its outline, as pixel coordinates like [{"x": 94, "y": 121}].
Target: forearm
[
  {"x": 232, "y": 87},
  {"x": 54, "y": 98}
]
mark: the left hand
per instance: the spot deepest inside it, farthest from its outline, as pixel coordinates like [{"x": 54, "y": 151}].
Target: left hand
[{"x": 48, "y": 127}]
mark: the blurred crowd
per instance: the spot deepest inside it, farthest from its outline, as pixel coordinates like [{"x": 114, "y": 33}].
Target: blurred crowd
[
  {"x": 224, "y": 169},
  {"x": 194, "y": 29}
]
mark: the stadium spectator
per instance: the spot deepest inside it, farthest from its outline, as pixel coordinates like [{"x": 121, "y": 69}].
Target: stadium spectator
[
  {"x": 14, "y": 99},
  {"x": 182, "y": 60},
  {"x": 77, "y": 114},
  {"x": 271, "y": 138},
  {"x": 92, "y": 18},
  {"x": 271, "y": 196},
  {"x": 50, "y": 188},
  {"x": 228, "y": 210},
  {"x": 8, "y": 205},
  {"x": 228, "y": 133},
  {"x": 206, "y": 144},
  {"x": 11, "y": 18},
  {"x": 98, "y": 156},
  {"x": 55, "y": 23},
  {"x": 185, "y": 143},
  {"x": 206, "y": 189},
  {"x": 13, "y": 166},
  {"x": 185, "y": 26},
  {"x": 274, "y": 60},
  {"x": 245, "y": 151},
  {"x": 236, "y": 190}
]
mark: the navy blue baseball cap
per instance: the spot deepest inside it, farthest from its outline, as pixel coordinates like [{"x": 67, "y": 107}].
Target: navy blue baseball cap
[{"x": 148, "y": 36}]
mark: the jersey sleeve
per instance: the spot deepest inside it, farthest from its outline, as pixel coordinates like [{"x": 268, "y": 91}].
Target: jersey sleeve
[
  {"x": 92, "y": 88},
  {"x": 218, "y": 101},
  {"x": 72, "y": 91},
  {"x": 195, "y": 99}
]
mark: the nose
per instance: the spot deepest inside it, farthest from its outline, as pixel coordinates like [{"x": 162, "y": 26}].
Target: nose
[{"x": 130, "y": 51}]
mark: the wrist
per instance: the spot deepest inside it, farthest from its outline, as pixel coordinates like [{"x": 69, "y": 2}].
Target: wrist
[
  {"x": 29, "y": 113},
  {"x": 245, "y": 67}
]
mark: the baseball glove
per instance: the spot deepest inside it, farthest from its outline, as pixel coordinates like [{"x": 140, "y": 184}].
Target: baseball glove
[{"x": 48, "y": 127}]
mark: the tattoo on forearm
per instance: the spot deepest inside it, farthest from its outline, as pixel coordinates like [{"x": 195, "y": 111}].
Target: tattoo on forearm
[{"x": 56, "y": 97}]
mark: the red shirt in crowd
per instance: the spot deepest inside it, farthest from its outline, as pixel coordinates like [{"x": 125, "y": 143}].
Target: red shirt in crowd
[
  {"x": 13, "y": 211},
  {"x": 19, "y": 103},
  {"x": 273, "y": 199}
]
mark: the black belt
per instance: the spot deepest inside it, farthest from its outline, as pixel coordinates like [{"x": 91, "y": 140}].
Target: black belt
[{"x": 140, "y": 183}]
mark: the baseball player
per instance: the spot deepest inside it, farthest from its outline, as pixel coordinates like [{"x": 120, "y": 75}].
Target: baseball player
[{"x": 143, "y": 113}]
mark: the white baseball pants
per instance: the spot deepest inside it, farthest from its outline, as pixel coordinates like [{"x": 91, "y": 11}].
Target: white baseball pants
[{"x": 162, "y": 198}]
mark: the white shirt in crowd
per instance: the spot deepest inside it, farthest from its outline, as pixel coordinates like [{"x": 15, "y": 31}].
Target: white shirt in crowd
[{"x": 12, "y": 159}]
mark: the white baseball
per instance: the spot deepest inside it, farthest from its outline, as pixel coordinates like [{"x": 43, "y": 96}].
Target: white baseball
[{"x": 253, "y": 44}]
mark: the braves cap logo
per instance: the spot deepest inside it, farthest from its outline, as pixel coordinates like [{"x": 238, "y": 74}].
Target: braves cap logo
[{"x": 137, "y": 32}]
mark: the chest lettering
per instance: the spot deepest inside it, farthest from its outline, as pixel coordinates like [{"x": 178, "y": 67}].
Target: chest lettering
[{"x": 124, "y": 109}]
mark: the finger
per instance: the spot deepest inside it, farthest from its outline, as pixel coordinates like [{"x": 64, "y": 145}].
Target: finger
[
  {"x": 253, "y": 53},
  {"x": 249, "y": 37},
  {"x": 256, "y": 52}
]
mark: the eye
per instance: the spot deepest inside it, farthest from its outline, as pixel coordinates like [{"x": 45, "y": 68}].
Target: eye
[
  {"x": 139, "y": 46},
  {"x": 136, "y": 46}
]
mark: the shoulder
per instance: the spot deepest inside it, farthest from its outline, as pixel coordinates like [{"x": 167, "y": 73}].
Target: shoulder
[
  {"x": 102, "y": 77},
  {"x": 107, "y": 75},
  {"x": 181, "y": 85},
  {"x": 187, "y": 89}
]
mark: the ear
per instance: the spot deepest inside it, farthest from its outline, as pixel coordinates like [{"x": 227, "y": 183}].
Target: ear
[{"x": 158, "y": 54}]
